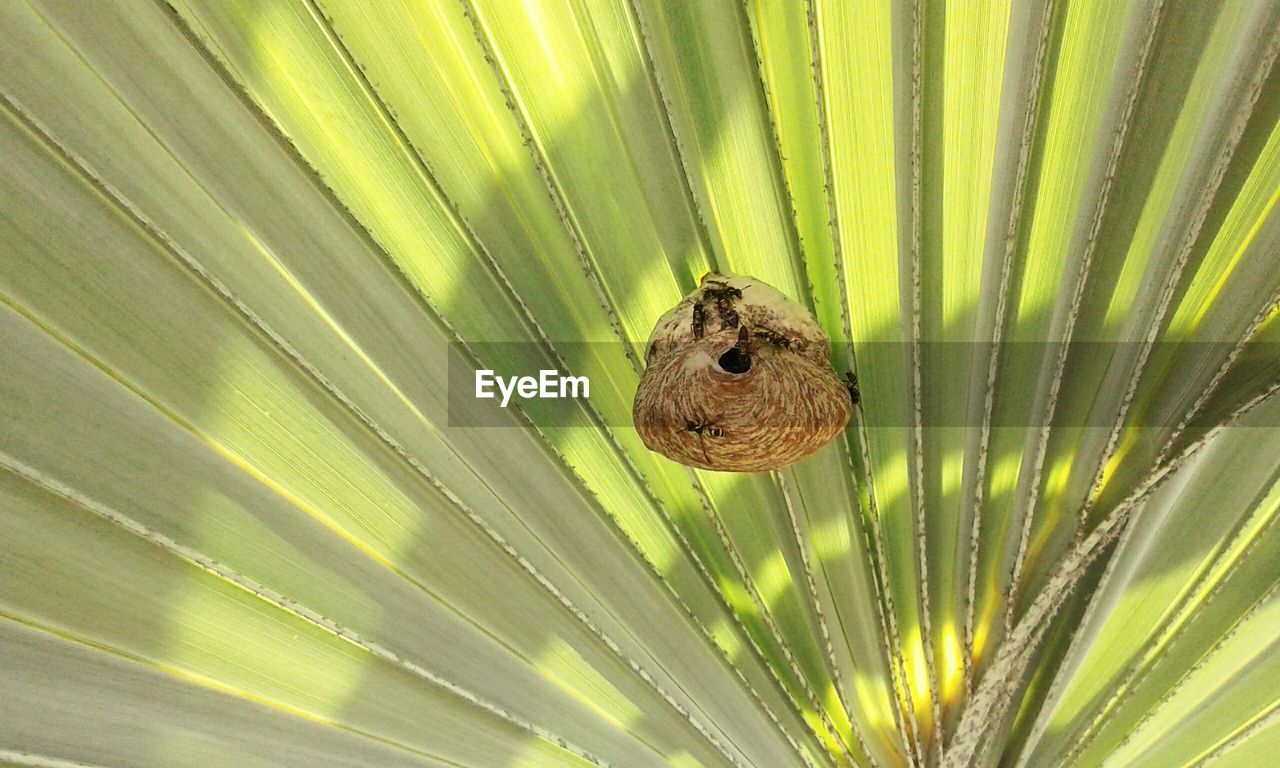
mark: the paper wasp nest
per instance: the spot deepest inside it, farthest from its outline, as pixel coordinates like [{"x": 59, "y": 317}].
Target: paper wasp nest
[{"x": 737, "y": 379}]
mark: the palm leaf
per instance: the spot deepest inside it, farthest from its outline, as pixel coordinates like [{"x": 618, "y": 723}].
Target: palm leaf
[{"x": 247, "y": 247}]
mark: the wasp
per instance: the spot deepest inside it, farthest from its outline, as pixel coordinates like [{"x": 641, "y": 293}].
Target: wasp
[
  {"x": 737, "y": 359},
  {"x": 722, "y": 288},
  {"x": 773, "y": 337},
  {"x": 723, "y": 295},
  {"x": 728, "y": 315},
  {"x": 699, "y": 320},
  {"x": 701, "y": 427},
  {"x": 851, "y": 383}
]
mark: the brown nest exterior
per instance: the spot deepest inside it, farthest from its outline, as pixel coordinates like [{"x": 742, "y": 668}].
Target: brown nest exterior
[{"x": 738, "y": 380}]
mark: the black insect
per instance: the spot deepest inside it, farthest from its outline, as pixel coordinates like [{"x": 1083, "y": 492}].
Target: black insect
[
  {"x": 728, "y": 315},
  {"x": 737, "y": 359},
  {"x": 721, "y": 287},
  {"x": 851, "y": 382},
  {"x": 773, "y": 337},
  {"x": 701, "y": 427},
  {"x": 699, "y": 320},
  {"x": 723, "y": 295}
]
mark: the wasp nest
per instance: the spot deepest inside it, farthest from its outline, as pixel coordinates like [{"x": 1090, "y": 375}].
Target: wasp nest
[{"x": 738, "y": 380}]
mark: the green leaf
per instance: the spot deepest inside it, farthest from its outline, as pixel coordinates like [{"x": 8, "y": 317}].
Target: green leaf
[{"x": 248, "y": 250}]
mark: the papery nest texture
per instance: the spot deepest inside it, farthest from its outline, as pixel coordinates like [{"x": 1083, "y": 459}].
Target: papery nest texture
[{"x": 738, "y": 379}]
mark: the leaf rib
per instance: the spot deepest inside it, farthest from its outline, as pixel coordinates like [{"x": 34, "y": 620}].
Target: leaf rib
[
  {"x": 663, "y": 516},
  {"x": 282, "y": 347},
  {"x": 1123, "y": 123},
  {"x": 1217, "y": 173},
  {"x": 915, "y": 394},
  {"x": 713, "y": 247},
  {"x": 904, "y": 712},
  {"x": 1262, "y": 601},
  {"x": 824, "y": 632},
  {"x": 1181, "y": 614},
  {"x": 196, "y": 678},
  {"x": 538, "y": 154},
  {"x": 997, "y": 316},
  {"x": 1041, "y": 723},
  {"x": 230, "y": 576},
  {"x": 992, "y": 697}
]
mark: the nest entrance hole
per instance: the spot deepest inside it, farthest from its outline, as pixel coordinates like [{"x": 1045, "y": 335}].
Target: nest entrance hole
[{"x": 735, "y": 361}]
